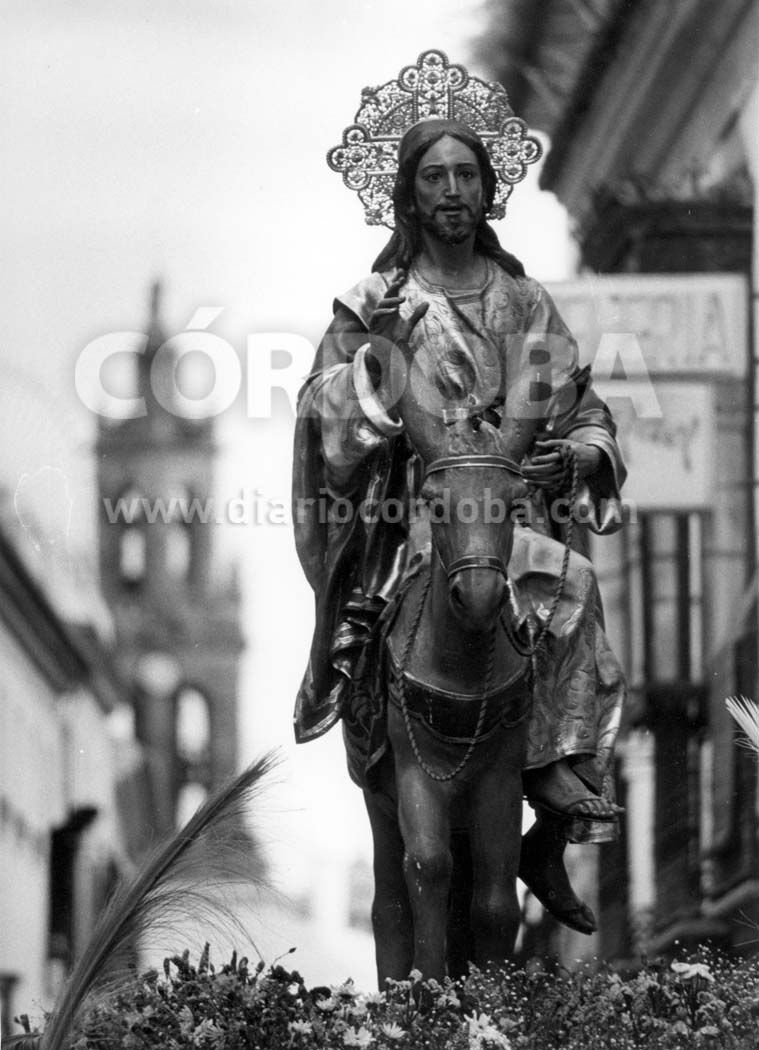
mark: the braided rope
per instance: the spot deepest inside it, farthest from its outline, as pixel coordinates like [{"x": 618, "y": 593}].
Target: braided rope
[{"x": 410, "y": 638}]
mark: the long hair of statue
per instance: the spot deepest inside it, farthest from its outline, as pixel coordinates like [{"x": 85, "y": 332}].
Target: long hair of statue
[{"x": 405, "y": 242}]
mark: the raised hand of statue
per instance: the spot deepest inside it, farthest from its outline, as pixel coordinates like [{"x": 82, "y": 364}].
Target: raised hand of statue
[
  {"x": 386, "y": 327},
  {"x": 549, "y": 466},
  {"x": 388, "y": 334}
]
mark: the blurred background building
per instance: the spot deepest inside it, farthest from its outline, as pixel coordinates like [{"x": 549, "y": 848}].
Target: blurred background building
[
  {"x": 653, "y": 116},
  {"x": 72, "y": 774},
  {"x": 177, "y": 619},
  {"x": 119, "y": 705}
]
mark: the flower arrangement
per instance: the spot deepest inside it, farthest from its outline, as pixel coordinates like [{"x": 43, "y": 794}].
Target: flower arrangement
[{"x": 709, "y": 1001}]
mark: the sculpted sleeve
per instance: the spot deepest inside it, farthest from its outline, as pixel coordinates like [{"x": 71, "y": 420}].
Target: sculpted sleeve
[
  {"x": 341, "y": 402},
  {"x": 343, "y": 450},
  {"x": 341, "y": 427}
]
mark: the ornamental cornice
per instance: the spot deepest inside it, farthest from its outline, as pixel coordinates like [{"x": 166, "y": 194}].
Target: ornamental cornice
[{"x": 642, "y": 103}]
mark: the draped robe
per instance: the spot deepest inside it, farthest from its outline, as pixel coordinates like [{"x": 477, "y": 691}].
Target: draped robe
[{"x": 350, "y": 455}]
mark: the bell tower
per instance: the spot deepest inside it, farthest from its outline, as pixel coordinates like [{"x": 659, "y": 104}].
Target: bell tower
[{"x": 177, "y": 622}]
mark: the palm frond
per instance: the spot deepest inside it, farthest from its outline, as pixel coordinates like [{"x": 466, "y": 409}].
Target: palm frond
[
  {"x": 746, "y": 714},
  {"x": 173, "y": 878}
]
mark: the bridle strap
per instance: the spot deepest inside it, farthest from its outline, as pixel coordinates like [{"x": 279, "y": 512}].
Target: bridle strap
[
  {"x": 481, "y": 460},
  {"x": 476, "y": 561}
]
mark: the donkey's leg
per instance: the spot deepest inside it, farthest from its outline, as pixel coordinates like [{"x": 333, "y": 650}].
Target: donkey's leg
[
  {"x": 496, "y": 830},
  {"x": 391, "y": 911},
  {"x": 425, "y": 826},
  {"x": 460, "y": 945}
]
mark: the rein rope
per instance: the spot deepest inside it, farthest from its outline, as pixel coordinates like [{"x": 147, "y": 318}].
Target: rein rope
[
  {"x": 477, "y": 561},
  {"x": 410, "y": 638}
]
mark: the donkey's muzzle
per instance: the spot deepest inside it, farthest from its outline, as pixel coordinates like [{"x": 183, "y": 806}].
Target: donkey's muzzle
[{"x": 477, "y": 589}]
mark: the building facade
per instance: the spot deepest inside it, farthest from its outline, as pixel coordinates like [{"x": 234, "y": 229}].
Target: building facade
[
  {"x": 652, "y": 114},
  {"x": 68, "y": 767}
]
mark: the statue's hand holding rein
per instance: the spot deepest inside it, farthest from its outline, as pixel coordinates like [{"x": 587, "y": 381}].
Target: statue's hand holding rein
[{"x": 550, "y": 468}]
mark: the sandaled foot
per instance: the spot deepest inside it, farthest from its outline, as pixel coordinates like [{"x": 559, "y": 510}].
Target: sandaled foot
[
  {"x": 558, "y": 789},
  {"x": 541, "y": 868}
]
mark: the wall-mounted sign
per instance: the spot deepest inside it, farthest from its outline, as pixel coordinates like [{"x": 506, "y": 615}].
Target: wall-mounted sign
[
  {"x": 694, "y": 324},
  {"x": 670, "y": 456}
]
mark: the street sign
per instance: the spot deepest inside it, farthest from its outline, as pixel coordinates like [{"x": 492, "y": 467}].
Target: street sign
[{"x": 694, "y": 324}]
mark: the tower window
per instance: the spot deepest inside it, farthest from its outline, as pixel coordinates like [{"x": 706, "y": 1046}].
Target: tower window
[
  {"x": 193, "y": 726},
  {"x": 193, "y": 746},
  {"x": 190, "y": 797},
  {"x": 180, "y": 535},
  {"x": 132, "y": 556},
  {"x": 132, "y": 543}
]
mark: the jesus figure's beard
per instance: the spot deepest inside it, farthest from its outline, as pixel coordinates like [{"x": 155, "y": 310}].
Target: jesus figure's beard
[{"x": 440, "y": 225}]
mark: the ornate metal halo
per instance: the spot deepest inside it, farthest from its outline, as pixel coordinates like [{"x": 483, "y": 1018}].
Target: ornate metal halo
[{"x": 367, "y": 157}]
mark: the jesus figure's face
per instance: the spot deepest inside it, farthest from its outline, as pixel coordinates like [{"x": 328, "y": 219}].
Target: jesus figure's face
[{"x": 448, "y": 190}]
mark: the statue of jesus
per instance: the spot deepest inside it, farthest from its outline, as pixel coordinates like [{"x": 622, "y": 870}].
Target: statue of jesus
[{"x": 444, "y": 286}]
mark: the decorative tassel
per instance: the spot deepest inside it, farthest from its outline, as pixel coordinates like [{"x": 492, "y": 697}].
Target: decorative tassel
[
  {"x": 169, "y": 884},
  {"x": 746, "y": 714}
]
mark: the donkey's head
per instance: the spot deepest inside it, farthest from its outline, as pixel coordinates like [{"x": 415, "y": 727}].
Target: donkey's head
[{"x": 470, "y": 489}]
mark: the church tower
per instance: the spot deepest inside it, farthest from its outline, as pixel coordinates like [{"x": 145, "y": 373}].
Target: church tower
[{"x": 177, "y": 622}]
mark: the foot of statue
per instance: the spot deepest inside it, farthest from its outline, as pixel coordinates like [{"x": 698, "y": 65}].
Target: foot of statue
[
  {"x": 541, "y": 868},
  {"x": 559, "y": 789}
]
